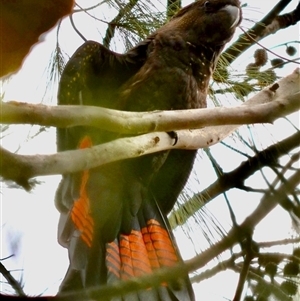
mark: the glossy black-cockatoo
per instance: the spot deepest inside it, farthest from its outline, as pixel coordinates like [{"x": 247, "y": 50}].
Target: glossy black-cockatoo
[{"x": 114, "y": 218}]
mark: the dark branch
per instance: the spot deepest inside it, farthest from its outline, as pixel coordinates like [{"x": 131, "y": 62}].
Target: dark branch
[
  {"x": 11, "y": 280},
  {"x": 172, "y": 7},
  {"x": 251, "y": 250},
  {"x": 256, "y": 32},
  {"x": 110, "y": 32},
  {"x": 76, "y": 29},
  {"x": 235, "y": 178}
]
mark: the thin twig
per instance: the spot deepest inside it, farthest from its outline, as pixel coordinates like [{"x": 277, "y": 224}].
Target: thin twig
[{"x": 11, "y": 280}]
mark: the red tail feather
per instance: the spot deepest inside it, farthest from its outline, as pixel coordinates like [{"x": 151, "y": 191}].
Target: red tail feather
[
  {"x": 146, "y": 248},
  {"x": 159, "y": 245},
  {"x": 140, "y": 252},
  {"x": 80, "y": 214}
]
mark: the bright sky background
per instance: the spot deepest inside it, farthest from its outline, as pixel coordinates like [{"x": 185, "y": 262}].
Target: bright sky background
[{"x": 29, "y": 220}]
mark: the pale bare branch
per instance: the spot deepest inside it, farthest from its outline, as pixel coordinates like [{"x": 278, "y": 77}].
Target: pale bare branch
[
  {"x": 264, "y": 107},
  {"x": 283, "y": 97}
]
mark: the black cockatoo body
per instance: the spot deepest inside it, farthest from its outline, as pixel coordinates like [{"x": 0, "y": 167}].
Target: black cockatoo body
[{"x": 113, "y": 218}]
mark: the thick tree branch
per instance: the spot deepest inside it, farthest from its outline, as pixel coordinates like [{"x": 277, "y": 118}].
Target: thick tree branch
[
  {"x": 21, "y": 168},
  {"x": 264, "y": 107}
]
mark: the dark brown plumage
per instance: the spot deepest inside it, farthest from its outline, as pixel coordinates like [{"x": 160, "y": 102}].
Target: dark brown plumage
[{"x": 113, "y": 218}]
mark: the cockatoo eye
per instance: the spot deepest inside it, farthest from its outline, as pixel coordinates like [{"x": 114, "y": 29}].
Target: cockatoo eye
[{"x": 207, "y": 4}]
